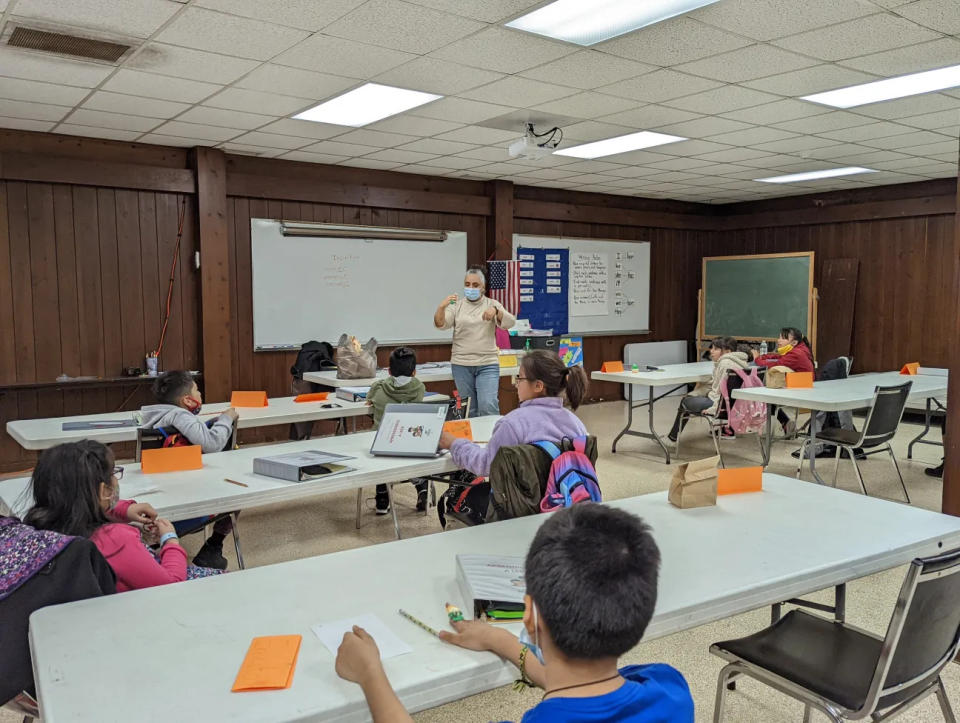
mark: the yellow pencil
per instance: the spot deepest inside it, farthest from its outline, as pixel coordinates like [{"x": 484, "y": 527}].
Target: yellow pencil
[{"x": 419, "y": 623}]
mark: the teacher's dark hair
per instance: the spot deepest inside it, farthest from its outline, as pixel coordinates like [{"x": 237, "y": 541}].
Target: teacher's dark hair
[
  {"x": 545, "y": 366},
  {"x": 66, "y": 488}
]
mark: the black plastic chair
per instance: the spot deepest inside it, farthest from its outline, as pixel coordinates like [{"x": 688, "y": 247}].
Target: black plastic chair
[
  {"x": 153, "y": 439},
  {"x": 850, "y": 674},
  {"x": 881, "y": 425}
]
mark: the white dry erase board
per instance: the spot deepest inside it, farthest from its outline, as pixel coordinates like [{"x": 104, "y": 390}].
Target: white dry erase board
[
  {"x": 308, "y": 287},
  {"x": 609, "y": 283}
]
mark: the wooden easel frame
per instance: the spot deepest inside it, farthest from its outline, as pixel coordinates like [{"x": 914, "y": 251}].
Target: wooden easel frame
[{"x": 813, "y": 299}]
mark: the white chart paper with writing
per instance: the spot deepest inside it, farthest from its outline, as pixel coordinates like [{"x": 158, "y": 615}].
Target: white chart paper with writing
[{"x": 588, "y": 281}]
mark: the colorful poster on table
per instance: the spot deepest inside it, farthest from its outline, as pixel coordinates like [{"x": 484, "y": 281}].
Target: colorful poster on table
[
  {"x": 571, "y": 350},
  {"x": 544, "y": 290}
]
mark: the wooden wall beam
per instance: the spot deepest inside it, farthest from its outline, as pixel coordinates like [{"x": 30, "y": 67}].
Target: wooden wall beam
[
  {"x": 576, "y": 213},
  {"x": 292, "y": 189},
  {"x": 80, "y": 172},
  {"x": 500, "y": 226},
  {"x": 951, "y": 443},
  {"x": 216, "y": 331}
]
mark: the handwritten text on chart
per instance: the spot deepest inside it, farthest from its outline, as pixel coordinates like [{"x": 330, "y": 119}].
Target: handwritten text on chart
[{"x": 589, "y": 274}]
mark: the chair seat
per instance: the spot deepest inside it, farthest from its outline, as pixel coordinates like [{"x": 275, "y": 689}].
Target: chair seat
[
  {"x": 840, "y": 436},
  {"x": 823, "y": 656}
]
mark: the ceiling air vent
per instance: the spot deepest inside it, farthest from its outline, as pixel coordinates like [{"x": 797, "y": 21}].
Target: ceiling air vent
[{"x": 63, "y": 44}]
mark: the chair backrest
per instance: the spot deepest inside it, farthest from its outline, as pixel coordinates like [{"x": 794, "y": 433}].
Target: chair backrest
[
  {"x": 155, "y": 438},
  {"x": 924, "y": 631},
  {"x": 885, "y": 414}
]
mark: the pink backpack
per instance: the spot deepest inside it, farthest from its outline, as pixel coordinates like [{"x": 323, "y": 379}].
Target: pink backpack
[{"x": 744, "y": 416}]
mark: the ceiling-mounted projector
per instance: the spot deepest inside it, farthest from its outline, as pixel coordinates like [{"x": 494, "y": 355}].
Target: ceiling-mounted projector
[{"x": 534, "y": 146}]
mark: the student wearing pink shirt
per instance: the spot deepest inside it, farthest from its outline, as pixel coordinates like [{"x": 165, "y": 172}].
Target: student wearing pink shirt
[{"x": 76, "y": 492}]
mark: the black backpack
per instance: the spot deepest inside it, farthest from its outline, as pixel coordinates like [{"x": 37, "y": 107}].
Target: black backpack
[{"x": 314, "y": 356}]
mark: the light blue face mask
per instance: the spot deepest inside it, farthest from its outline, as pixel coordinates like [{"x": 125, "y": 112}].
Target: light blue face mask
[
  {"x": 533, "y": 645},
  {"x": 471, "y": 294}
]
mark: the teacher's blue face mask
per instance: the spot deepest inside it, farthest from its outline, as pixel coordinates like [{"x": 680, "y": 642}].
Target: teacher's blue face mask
[{"x": 472, "y": 294}]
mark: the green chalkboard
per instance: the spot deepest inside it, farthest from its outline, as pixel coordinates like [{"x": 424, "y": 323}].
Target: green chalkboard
[{"x": 753, "y": 297}]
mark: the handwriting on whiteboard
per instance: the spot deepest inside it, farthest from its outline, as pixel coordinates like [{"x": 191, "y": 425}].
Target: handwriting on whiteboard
[
  {"x": 338, "y": 270},
  {"x": 589, "y": 280}
]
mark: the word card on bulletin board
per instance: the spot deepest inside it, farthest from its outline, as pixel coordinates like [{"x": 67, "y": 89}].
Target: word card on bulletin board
[{"x": 544, "y": 279}]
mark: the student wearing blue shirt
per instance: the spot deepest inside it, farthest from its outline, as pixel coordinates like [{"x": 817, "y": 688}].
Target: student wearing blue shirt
[{"x": 591, "y": 575}]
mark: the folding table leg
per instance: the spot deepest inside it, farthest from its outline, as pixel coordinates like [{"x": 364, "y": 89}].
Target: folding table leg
[
  {"x": 393, "y": 510},
  {"x": 236, "y": 538}
]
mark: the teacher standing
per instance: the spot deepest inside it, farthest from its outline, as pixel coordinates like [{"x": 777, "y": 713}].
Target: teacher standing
[{"x": 475, "y": 360}]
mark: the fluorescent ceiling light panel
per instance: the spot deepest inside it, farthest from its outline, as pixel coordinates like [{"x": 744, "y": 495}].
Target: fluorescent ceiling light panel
[
  {"x": 620, "y": 144},
  {"x": 880, "y": 90},
  {"x": 814, "y": 175},
  {"x": 366, "y": 104},
  {"x": 587, "y": 22}
]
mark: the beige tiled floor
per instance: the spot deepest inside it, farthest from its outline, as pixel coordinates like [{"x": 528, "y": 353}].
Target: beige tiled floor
[{"x": 327, "y": 525}]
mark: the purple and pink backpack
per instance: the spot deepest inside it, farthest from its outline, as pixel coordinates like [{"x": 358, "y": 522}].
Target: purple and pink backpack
[{"x": 572, "y": 478}]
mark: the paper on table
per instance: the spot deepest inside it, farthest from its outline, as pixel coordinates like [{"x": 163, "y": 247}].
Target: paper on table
[
  {"x": 331, "y": 634},
  {"x": 269, "y": 663}
]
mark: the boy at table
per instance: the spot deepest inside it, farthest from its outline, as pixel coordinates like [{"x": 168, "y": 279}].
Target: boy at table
[{"x": 591, "y": 577}]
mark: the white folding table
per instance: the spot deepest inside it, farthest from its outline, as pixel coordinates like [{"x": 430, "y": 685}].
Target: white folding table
[
  {"x": 196, "y": 493},
  {"x": 749, "y": 551},
  {"x": 43, "y": 433},
  {"x": 854, "y": 392},
  {"x": 673, "y": 376},
  {"x": 932, "y": 406}
]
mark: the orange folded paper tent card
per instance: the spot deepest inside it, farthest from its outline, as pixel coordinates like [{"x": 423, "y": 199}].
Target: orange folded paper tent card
[
  {"x": 911, "y": 368},
  {"x": 171, "y": 459},
  {"x": 800, "y": 380},
  {"x": 612, "y": 366},
  {"x": 269, "y": 663},
  {"x": 315, "y": 397},
  {"x": 248, "y": 399},
  {"x": 743, "y": 479},
  {"x": 459, "y": 428}
]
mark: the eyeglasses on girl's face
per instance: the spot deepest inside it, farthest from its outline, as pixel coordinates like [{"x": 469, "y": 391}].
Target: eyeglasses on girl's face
[{"x": 118, "y": 473}]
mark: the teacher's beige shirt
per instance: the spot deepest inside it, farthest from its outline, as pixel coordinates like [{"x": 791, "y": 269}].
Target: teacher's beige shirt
[{"x": 474, "y": 340}]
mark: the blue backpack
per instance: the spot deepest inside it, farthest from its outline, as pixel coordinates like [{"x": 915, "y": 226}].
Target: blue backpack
[{"x": 572, "y": 478}]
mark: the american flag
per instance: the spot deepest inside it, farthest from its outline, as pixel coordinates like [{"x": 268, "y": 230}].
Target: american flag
[{"x": 504, "y": 284}]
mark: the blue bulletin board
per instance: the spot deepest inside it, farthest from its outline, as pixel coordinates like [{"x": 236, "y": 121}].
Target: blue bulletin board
[{"x": 544, "y": 290}]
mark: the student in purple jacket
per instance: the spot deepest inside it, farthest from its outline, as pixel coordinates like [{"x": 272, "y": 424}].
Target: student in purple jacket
[{"x": 542, "y": 384}]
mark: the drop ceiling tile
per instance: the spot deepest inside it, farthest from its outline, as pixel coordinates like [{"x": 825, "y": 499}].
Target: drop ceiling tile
[
  {"x": 593, "y": 131},
  {"x": 518, "y": 92},
  {"x": 28, "y": 90},
  {"x": 194, "y": 130},
  {"x": 811, "y": 80},
  {"x": 215, "y": 32},
  {"x": 437, "y": 76},
  {"x": 133, "y": 105},
  {"x": 733, "y": 155},
  {"x": 503, "y": 50},
  {"x": 25, "y": 124},
  {"x": 754, "y": 61},
  {"x": 940, "y": 15},
  {"x": 681, "y": 164},
  {"x": 412, "y": 125},
  {"x": 834, "y": 120},
  {"x": 797, "y": 144},
  {"x": 659, "y": 85},
  {"x": 16, "y": 63},
  {"x": 905, "y": 108},
  {"x": 242, "y": 149},
  {"x": 271, "y": 140},
  {"x": 402, "y": 26},
  {"x": 720, "y": 100},
  {"x": 304, "y": 129},
  {"x": 871, "y": 34},
  {"x": 691, "y": 148},
  {"x": 936, "y": 170},
  {"x": 588, "y": 70},
  {"x": 306, "y": 14},
  {"x": 904, "y": 141},
  {"x": 779, "y": 111},
  {"x": 751, "y": 136},
  {"x": 587, "y": 105},
  {"x": 163, "y": 87},
  {"x": 397, "y": 156},
  {"x": 486, "y": 153},
  {"x": 924, "y": 56},
  {"x": 649, "y": 116},
  {"x": 866, "y": 131},
  {"x": 869, "y": 157},
  {"x": 453, "y": 162},
  {"x": 680, "y": 40},
  {"x": 701, "y": 127},
  {"x": 342, "y": 57},
  {"x": 947, "y": 147},
  {"x": 136, "y": 18},
  {"x": 32, "y": 111},
  {"x": 478, "y": 135},
  {"x": 306, "y": 157},
  {"x": 226, "y": 118},
  {"x": 118, "y": 121},
  {"x": 255, "y": 101},
  {"x": 505, "y": 169},
  {"x": 161, "y": 140},
  {"x": 271, "y": 78},
  {"x": 337, "y": 148},
  {"x": 113, "y": 134},
  {"x": 421, "y": 170},
  {"x": 367, "y": 137},
  {"x": 835, "y": 152},
  {"x": 934, "y": 121},
  {"x": 589, "y": 167},
  {"x": 461, "y": 110},
  {"x": 769, "y": 19},
  {"x": 370, "y": 163},
  {"x": 636, "y": 162},
  {"x": 548, "y": 174},
  {"x": 190, "y": 64},
  {"x": 436, "y": 147}
]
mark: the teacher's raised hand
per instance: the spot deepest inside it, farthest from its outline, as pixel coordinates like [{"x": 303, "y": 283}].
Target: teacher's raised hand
[{"x": 490, "y": 314}]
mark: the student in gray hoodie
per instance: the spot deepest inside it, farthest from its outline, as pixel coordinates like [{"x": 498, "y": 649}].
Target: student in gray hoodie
[
  {"x": 177, "y": 413},
  {"x": 401, "y": 387}
]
